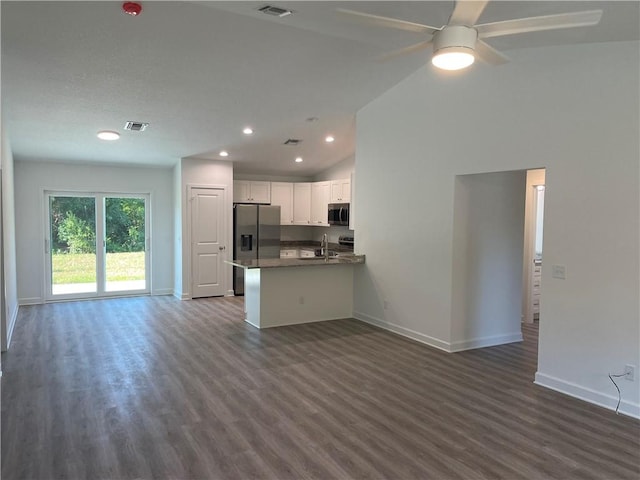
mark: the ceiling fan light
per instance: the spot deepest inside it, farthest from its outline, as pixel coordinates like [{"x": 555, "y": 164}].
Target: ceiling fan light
[{"x": 453, "y": 58}]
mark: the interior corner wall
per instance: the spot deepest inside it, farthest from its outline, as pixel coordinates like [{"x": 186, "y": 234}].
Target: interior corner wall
[
  {"x": 177, "y": 229},
  {"x": 488, "y": 234},
  {"x": 10, "y": 293},
  {"x": 34, "y": 177},
  {"x": 537, "y": 110},
  {"x": 201, "y": 172}
]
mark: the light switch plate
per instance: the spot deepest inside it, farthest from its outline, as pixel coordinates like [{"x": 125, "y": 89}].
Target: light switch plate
[{"x": 559, "y": 271}]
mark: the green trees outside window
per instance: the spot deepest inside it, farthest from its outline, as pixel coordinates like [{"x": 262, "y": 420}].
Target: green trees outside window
[{"x": 73, "y": 225}]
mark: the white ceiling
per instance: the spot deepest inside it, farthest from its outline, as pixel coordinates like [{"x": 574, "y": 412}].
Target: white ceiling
[{"x": 199, "y": 72}]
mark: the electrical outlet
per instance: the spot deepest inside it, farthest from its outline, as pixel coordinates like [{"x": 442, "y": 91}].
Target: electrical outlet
[
  {"x": 559, "y": 271},
  {"x": 629, "y": 372}
]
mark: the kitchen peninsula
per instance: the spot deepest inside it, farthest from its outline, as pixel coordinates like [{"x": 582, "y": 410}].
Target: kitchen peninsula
[{"x": 288, "y": 291}]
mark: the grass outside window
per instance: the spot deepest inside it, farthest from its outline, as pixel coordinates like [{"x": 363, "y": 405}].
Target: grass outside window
[{"x": 71, "y": 268}]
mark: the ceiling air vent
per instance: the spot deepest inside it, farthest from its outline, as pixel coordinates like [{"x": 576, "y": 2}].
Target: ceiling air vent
[
  {"x": 136, "y": 126},
  {"x": 292, "y": 141},
  {"x": 275, "y": 11}
]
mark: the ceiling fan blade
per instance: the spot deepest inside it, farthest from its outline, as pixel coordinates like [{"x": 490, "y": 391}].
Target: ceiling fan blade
[
  {"x": 467, "y": 12},
  {"x": 488, "y": 54},
  {"x": 535, "y": 24},
  {"x": 386, "y": 21},
  {"x": 404, "y": 51}
]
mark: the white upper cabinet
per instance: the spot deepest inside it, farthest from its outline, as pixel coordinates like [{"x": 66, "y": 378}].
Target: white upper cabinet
[
  {"x": 341, "y": 191},
  {"x": 320, "y": 192},
  {"x": 282, "y": 195},
  {"x": 245, "y": 191},
  {"x": 302, "y": 203}
]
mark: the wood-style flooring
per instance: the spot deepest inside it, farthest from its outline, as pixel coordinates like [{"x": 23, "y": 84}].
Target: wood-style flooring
[{"x": 152, "y": 387}]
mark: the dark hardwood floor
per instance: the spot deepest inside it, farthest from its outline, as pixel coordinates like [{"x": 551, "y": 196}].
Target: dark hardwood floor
[{"x": 153, "y": 387}]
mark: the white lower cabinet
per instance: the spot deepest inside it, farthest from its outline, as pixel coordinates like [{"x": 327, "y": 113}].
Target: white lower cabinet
[
  {"x": 307, "y": 252},
  {"x": 289, "y": 253}
]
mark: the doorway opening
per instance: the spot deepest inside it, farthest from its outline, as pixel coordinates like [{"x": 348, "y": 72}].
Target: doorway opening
[
  {"x": 533, "y": 245},
  {"x": 97, "y": 245}
]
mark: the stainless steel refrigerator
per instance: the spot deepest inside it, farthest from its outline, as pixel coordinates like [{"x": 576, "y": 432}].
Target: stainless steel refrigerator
[{"x": 256, "y": 234}]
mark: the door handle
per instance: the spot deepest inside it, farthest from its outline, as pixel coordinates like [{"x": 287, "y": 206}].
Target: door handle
[{"x": 222, "y": 247}]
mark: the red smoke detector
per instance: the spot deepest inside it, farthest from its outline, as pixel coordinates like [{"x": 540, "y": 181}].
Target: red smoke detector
[{"x": 132, "y": 8}]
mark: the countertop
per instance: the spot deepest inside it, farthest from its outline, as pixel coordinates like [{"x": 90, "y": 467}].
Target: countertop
[{"x": 348, "y": 259}]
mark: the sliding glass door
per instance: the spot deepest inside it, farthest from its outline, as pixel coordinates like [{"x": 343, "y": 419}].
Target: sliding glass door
[
  {"x": 125, "y": 244},
  {"x": 72, "y": 240},
  {"x": 97, "y": 245}
]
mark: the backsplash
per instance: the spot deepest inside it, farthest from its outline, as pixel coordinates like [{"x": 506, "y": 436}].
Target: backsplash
[{"x": 292, "y": 233}]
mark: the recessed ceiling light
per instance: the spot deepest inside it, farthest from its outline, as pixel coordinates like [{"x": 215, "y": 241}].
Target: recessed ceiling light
[
  {"x": 224, "y": 153},
  {"x": 108, "y": 135},
  {"x": 298, "y": 159},
  {"x": 329, "y": 139},
  {"x": 247, "y": 131}
]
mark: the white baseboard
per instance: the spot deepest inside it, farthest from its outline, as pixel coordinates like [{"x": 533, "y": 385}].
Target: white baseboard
[
  {"x": 482, "y": 342},
  {"x": 182, "y": 296},
  {"x": 30, "y": 301},
  {"x": 587, "y": 394},
  {"x": 405, "y": 332},
  {"x": 162, "y": 291}
]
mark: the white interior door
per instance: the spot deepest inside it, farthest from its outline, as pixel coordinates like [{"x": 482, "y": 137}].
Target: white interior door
[{"x": 208, "y": 248}]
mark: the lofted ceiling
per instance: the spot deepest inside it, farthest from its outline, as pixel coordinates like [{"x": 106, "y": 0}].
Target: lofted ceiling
[{"x": 199, "y": 72}]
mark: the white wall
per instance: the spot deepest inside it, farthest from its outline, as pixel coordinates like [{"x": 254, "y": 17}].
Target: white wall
[
  {"x": 573, "y": 109},
  {"x": 9, "y": 276},
  {"x": 32, "y": 178},
  {"x": 341, "y": 170},
  {"x": 487, "y": 259},
  {"x": 271, "y": 178},
  {"x": 203, "y": 173}
]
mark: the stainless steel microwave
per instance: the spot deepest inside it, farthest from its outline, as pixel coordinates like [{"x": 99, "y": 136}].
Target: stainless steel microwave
[{"x": 338, "y": 214}]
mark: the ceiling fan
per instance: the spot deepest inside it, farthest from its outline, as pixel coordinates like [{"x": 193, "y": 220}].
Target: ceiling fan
[{"x": 457, "y": 44}]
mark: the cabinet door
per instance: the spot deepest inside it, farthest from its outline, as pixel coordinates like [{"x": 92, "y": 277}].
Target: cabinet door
[
  {"x": 289, "y": 253},
  {"x": 241, "y": 191},
  {"x": 282, "y": 195},
  {"x": 302, "y": 203},
  {"x": 340, "y": 191},
  {"x": 320, "y": 192},
  {"x": 260, "y": 192}
]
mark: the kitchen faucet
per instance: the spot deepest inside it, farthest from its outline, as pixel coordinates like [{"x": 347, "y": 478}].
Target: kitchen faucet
[{"x": 325, "y": 247}]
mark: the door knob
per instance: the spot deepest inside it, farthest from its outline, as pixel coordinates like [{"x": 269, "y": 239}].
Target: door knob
[{"x": 222, "y": 247}]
